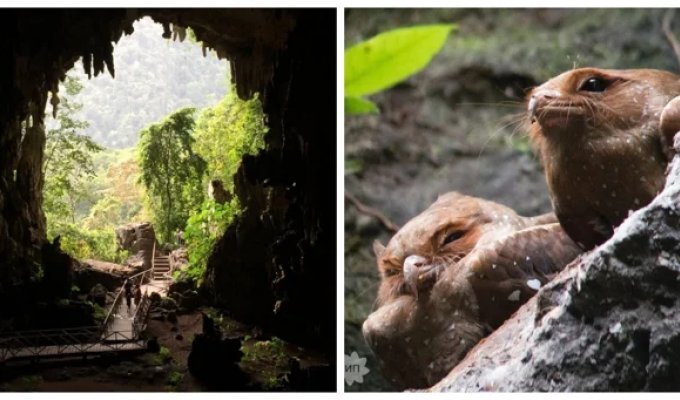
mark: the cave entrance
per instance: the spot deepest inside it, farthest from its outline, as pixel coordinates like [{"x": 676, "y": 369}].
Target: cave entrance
[
  {"x": 274, "y": 266},
  {"x": 92, "y": 153}
]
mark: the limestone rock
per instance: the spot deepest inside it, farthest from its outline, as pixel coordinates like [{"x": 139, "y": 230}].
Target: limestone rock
[
  {"x": 138, "y": 239},
  {"x": 97, "y": 295},
  {"x": 88, "y": 273}
]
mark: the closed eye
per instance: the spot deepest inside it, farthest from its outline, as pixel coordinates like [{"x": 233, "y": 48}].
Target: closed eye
[{"x": 452, "y": 237}]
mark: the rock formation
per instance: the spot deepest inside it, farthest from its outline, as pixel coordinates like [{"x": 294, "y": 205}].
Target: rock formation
[
  {"x": 138, "y": 239},
  {"x": 217, "y": 192},
  {"x": 288, "y": 56}
]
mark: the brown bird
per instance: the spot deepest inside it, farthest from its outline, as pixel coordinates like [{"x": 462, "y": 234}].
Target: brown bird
[
  {"x": 451, "y": 276},
  {"x": 604, "y": 138}
]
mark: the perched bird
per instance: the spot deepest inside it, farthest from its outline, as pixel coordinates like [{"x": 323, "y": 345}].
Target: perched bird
[
  {"x": 450, "y": 276},
  {"x": 604, "y": 138}
]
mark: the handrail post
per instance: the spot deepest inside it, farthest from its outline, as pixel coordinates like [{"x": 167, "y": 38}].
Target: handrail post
[{"x": 153, "y": 260}]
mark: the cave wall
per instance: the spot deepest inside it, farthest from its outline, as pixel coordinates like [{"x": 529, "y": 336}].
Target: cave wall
[
  {"x": 280, "y": 254},
  {"x": 276, "y": 264},
  {"x": 38, "y": 47}
]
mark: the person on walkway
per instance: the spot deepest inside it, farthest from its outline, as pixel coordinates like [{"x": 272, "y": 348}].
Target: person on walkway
[
  {"x": 179, "y": 236},
  {"x": 138, "y": 295},
  {"x": 128, "y": 294}
]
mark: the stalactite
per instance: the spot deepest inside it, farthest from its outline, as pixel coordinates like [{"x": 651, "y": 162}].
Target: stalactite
[
  {"x": 179, "y": 33},
  {"x": 167, "y": 34},
  {"x": 108, "y": 60},
  {"x": 87, "y": 64},
  {"x": 55, "y": 103}
]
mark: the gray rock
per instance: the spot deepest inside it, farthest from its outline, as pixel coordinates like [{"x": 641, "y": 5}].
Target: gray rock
[
  {"x": 171, "y": 316},
  {"x": 98, "y": 295},
  {"x": 168, "y": 303},
  {"x": 138, "y": 239}
]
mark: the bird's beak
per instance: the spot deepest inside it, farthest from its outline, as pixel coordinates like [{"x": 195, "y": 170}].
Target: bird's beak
[{"x": 412, "y": 265}]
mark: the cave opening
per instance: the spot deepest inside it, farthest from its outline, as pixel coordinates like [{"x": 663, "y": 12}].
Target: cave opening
[
  {"x": 91, "y": 167},
  {"x": 273, "y": 266}
]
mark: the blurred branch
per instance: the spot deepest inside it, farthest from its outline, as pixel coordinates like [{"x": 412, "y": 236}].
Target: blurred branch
[
  {"x": 666, "y": 27},
  {"x": 373, "y": 212}
]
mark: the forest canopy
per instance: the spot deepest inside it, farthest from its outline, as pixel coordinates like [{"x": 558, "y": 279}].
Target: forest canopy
[
  {"x": 185, "y": 136},
  {"x": 154, "y": 77}
]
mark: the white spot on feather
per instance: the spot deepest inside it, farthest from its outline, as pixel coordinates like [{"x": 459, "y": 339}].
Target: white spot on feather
[
  {"x": 534, "y": 284},
  {"x": 514, "y": 296},
  {"x": 616, "y": 328}
]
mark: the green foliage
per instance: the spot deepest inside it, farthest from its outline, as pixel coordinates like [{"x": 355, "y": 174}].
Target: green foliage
[
  {"x": 202, "y": 231},
  {"x": 357, "y": 105},
  {"x": 37, "y": 272},
  {"x": 67, "y": 165},
  {"x": 69, "y": 171},
  {"x": 100, "y": 313},
  {"x": 270, "y": 359},
  {"x": 171, "y": 171},
  {"x": 224, "y": 134},
  {"x": 164, "y": 354},
  {"x": 386, "y": 59},
  {"x": 228, "y": 131},
  {"x": 175, "y": 378},
  {"x": 83, "y": 243},
  {"x": 28, "y": 383}
]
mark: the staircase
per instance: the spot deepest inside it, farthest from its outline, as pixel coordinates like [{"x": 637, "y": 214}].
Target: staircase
[{"x": 161, "y": 268}]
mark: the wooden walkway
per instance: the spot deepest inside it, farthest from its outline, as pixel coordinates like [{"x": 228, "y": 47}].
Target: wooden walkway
[{"x": 120, "y": 331}]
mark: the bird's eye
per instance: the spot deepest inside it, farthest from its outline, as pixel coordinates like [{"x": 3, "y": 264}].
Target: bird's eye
[
  {"x": 594, "y": 84},
  {"x": 452, "y": 237}
]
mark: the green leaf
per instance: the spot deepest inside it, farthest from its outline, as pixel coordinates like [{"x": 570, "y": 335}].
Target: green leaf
[
  {"x": 357, "y": 105},
  {"x": 390, "y": 57}
]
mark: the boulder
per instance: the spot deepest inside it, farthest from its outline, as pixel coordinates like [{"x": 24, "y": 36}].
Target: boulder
[
  {"x": 97, "y": 295},
  {"x": 315, "y": 378},
  {"x": 89, "y": 273},
  {"x": 138, "y": 239},
  {"x": 214, "y": 360},
  {"x": 171, "y": 316},
  {"x": 168, "y": 303},
  {"x": 186, "y": 301},
  {"x": 152, "y": 345},
  {"x": 178, "y": 258},
  {"x": 155, "y": 298}
]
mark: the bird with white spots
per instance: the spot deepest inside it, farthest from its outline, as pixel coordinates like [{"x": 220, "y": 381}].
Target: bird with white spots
[{"x": 452, "y": 275}]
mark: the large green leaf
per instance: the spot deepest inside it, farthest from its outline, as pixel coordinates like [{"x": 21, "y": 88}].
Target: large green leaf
[
  {"x": 390, "y": 57},
  {"x": 357, "y": 105}
]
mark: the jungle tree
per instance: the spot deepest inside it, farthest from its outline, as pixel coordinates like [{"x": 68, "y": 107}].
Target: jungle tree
[{"x": 171, "y": 171}]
